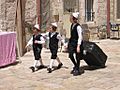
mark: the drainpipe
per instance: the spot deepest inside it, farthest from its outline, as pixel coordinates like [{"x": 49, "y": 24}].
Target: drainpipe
[
  {"x": 38, "y": 12},
  {"x": 108, "y": 18}
]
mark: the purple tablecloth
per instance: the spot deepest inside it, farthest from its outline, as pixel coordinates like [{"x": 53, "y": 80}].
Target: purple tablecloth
[{"x": 7, "y": 48}]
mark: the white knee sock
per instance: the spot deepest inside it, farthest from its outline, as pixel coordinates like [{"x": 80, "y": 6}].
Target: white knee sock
[
  {"x": 35, "y": 63},
  {"x": 40, "y": 61},
  {"x": 51, "y": 63}
]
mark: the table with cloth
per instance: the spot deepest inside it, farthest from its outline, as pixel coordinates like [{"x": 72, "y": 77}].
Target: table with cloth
[{"x": 7, "y": 48}]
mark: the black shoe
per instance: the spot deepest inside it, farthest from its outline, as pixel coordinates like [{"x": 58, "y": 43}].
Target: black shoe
[
  {"x": 76, "y": 72},
  {"x": 32, "y": 68},
  {"x": 72, "y": 70},
  {"x": 41, "y": 67},
  {"x": 59, "y": 66},
  {"x": 49, "y": 70}
]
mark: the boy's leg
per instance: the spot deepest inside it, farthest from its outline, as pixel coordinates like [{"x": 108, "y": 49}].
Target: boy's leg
[
  {"x": 71, "y": 56},
  {"x": 77, "y": 69},
  {"x": 78, "y": 60},
  {"x": 41, "y": 62},
  {"x": 58, "y": 60},
  {"x": 79, "y": 56},
  {"x": 51, "y": 63},
  {"x": 35, "y": 63},
  {"x": 71, "y": 51},
  {"x": 50, "y": 66},
  {"x": 33, "y": 67},
  {"x": 36, "y": 56},
  {"x": 60, "y": 63},
  {"x": 53, "y": 57},
  {"x": 39, "y": 56}
]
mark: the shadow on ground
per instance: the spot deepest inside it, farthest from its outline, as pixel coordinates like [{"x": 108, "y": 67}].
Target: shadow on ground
[
  {"x": 115, "y": 38},
  {"x": 92, "y": 67},
  {"x": 13, "y": 64}
]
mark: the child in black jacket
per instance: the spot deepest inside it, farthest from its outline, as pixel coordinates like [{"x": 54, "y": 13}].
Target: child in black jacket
[
  {"x": 36, "y": 41},
  {"x": 75, "y": 44},
  {"x": 54, "y": 38}
]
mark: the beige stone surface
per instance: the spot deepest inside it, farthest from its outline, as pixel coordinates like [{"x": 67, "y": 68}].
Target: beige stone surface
[{"x": 20, "y": 77}]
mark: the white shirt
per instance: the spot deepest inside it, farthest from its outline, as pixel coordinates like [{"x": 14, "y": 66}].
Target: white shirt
[
  {"x": 58, "y": 36},
  {"x": 80, "y": 35},
  {"x": 30, "y": 42}
]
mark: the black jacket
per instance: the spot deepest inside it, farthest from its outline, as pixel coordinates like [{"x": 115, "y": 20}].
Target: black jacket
[{"x": 35, "y": 45}]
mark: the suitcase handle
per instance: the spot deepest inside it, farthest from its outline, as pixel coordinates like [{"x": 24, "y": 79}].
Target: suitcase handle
[{"x": 84, "y": 52}]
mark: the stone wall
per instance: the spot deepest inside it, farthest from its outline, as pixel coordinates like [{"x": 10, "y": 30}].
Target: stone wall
[
  {"x": 7, "y": 16},
  {"x": 8, "y": 9},
  {"x": 102, "y": 12},
  {"x": 100, "y": 15},
  {"x": 30, "y": 17},
  {"x": 100, "y": 9},
  {"x": 8, "y": 13},
  {"x": 56, "y": 10},
  {"x": 2, "y": 15},
  {"x": 30, "y": 11},
  {"x": 113, "y": 11}
]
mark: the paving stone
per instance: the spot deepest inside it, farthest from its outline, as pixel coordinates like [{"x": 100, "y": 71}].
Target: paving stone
[{"x": 20, "y": 77}]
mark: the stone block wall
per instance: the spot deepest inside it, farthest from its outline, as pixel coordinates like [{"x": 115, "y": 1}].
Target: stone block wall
[
  {"x": 100, "y": 9},
  {"x": 8, "y": 9},
  {"x": 30, "y": 11},
  {"x": 113, "y": 11},
  {"x": 7, "y": 14},
  {"x": 57, "y": 9},
  {"x": 102, "y": 12},
  {"x": 30, "y": 17}
]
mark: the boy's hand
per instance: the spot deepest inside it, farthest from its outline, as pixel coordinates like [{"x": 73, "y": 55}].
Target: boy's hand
[
  {"x": 78, "y": 48},
  {"x": 36, "y": 41}
]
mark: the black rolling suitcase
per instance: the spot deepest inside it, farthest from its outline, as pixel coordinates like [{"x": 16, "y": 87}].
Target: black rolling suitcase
[{"x": 93, "y": 55}]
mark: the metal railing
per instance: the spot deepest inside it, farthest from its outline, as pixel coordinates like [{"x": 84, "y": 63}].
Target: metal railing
[{"x": 90, "y": 16}]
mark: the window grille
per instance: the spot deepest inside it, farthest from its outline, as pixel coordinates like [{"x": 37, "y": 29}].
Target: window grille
[{"x": 89, "y": 14}]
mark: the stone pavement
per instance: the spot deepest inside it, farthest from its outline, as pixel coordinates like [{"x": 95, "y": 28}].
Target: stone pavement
[{"x": 20, "y": 77}]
